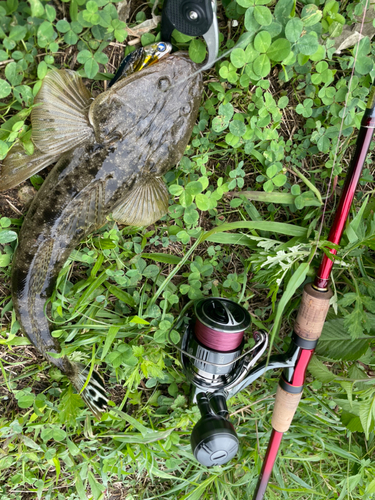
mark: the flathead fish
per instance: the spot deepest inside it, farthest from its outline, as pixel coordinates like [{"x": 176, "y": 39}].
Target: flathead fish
[{"x": 113, "y": 153}]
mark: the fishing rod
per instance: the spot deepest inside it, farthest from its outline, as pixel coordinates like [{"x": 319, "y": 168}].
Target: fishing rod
[
  {"x": 213, "y": 341},
  {"x": 314, "y": 306}
]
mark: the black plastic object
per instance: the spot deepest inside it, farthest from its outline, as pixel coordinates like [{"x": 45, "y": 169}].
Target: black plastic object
[
  {"x": 222, "y": 315},
  {"x": 190, "y": 17},
  {"x": 213, "y": 440}
]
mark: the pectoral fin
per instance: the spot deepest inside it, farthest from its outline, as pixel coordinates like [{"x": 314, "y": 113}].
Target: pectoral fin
[
  {"x": 144, "y": 205},
  {"x": 18, "y": 166},
  {"x": 60, "y": 121}
]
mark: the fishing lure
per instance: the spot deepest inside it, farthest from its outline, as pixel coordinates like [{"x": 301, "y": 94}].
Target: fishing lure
[{"x": 140, "y": 58}]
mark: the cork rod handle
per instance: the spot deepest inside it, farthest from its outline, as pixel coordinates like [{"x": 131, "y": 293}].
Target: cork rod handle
[{"x": 308, "y": 326}]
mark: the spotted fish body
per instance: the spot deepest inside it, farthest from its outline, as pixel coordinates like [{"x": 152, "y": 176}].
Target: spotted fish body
[{"x": 115, "y": 150}]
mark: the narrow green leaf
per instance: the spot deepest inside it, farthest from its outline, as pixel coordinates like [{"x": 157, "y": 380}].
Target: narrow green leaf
[
  {"x": 112, "y": 332},
  {"x": 165, "y": 258},
  {"x": 366, "y": 414},
  {"x": 295, "y": 281},
  {"x": 120, "y": 294},
  {"x": 273, "y": 227},
  {"x": 92, "y": 287},
  {"x": 274, "y": 197}
]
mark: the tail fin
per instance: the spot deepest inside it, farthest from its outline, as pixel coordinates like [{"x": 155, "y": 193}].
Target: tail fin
[{"x": 94, "y": 394}]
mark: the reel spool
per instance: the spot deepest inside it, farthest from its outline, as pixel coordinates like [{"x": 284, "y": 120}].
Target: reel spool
[{"x": 214, "y": 341}]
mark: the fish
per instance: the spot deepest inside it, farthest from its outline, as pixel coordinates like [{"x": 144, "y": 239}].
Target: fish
[
  {"x": 18, "y": 166},
  {"x": 140, "y": 58},
  {"x": 113, "y": 152}
]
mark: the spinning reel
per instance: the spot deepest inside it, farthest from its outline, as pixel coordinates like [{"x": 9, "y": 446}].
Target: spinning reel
[{"x": 212, "y": 359}]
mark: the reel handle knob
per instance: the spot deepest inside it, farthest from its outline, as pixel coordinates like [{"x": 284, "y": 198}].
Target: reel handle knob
[
  {"x": 214, "y": 440},
  {"x": 190, "y": 17}
]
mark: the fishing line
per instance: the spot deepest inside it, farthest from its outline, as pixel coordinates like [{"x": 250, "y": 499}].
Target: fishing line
[
  {"x": 239, "y": 45},
  {"x": 339, "y": 135},
  {"x": 217, "y": 340}
]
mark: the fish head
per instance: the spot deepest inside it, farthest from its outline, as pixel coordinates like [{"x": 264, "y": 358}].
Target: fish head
[{"x": 155, "y": 109}]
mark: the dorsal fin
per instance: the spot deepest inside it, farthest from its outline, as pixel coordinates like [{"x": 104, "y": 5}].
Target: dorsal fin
[
  {"x": 60, "y": 122},
  {"x": 144, "y": 204}
]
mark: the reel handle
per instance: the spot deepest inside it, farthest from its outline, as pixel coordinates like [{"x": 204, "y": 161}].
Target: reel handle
[{"x": 213, "y": 440}]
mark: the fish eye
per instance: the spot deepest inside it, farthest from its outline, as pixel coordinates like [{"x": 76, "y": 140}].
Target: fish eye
[
  {"x": 163, "y": 83},
  {"x": 186, "y": 109},
  {"x": 161, "y": 47}
]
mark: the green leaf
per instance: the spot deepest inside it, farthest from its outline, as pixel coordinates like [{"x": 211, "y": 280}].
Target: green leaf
[
  {"x": 279, "y": 180},
  {"x": 311, "y": 15},
  {"x": 50, "y": 13},
  {"x": 203, "y": 203},
  {"x": 283, "y": 102},
  {"x": 351, "y": 421},
  {"x": 262, "y": 65},
  {"x": 84, "y": 56},
  {"x": 69, "y": 407},
  {"x": 176, "y": 190},
  {"x": 17, "y": 33},
  {"x": 96, "y": 488},
  {"x": 279, "y": 50},
  {"x": 92, "y": 6},
  {"x": 274, "y": 227},
  {"x": 251, "y": 23},
  {"x": 364, "y": 65},
  {"x": 295, "y": 281},
  {"x": 63, "y": 26},
  {"x": 366, "y": 414},
  {"x": 165, "y": 258},
  {"x": 42, "y": 70},
  {"x": 14, "y": 73},
  {"x": 5, "y": 89},
  {"x": 37, "y": 9},
  {"x": 197, "y": 50},
  {"x": 319, "y": 371},
  {"x": 110, "y": 337},
  {"x": 101, "y": 58},
  {"x": 336, "y": 342},
  {"x": 293, "y": 29},
  {"x": 91, "y": 68},
  {"x": 194, "y": 188},
  {"x": 6, "y": 236},
  {"x": 283, "y": 198},
  {"x": 70, "y": 38},
  {"x": 308, "y": 44},
  {"x": 237, "y": 128},
  {"x": 46, "y": 34},
  {"x": 283, "y": 10},
  {"x": 120, "y": 294},
  {"x": 151, "y": 271},
  {"x": 263, "y": 15},
  {"x": 25, "y": 398},
  {"x": 122, "y": 355},
  {"x": 238, "y": 58},
  {"x": 262, "y": 41},
  {"x": 3, "y": 150},
  {"x": 226, "y": 110}
]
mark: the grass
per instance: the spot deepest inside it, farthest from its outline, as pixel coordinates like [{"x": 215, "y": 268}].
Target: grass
[{"x": 245, "y": 200}]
